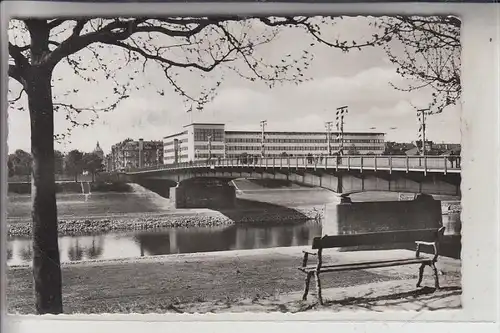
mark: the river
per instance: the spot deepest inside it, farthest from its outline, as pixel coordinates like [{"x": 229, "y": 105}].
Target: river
[{"x": 192, "y": 240}]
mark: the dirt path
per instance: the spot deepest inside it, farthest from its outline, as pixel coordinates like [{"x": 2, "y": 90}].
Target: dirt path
[{"x": 211, "y": 281}]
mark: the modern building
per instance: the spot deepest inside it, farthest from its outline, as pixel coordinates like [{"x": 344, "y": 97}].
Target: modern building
[
  {"x": 199, "y": 141},
  {"x": 135, "y": 154}
]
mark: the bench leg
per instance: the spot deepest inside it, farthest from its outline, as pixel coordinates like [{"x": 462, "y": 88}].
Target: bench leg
[
  {"x": 306, "y": 289},
  {"x": 420, "y": 275},
  {"x": 436, "y": 276},
  {"x": 318, "y": 287}
]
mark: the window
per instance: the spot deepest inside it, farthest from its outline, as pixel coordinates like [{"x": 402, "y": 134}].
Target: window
[{"x": 201, "y": 134}]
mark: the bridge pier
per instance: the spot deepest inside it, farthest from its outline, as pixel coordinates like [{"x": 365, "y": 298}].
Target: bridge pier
[
  {"x": 189, "y": 194},
  {"x": 342, "y": 216}
]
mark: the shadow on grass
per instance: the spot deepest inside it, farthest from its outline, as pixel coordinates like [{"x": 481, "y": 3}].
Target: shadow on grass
[{"x": 426, "y": 296}]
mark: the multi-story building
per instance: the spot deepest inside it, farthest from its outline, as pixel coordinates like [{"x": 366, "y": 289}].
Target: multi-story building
[
  {"x": 135, "y": 154},
  {"x": 200, "y": 140}
]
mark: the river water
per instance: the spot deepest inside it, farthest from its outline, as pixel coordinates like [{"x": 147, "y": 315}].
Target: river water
[{"x": 192, "y": 240}]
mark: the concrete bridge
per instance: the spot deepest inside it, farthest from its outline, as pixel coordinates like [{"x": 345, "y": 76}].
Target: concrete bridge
[{"x": 205, "y": 183}]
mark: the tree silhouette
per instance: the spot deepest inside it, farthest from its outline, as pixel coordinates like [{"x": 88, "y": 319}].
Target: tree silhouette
[
  {"x": 58, "y": 162},
  {"x": 19, "y": 163},
  {"x": 352, "y": 150},
  {"x": 189, "y": 45},
  {"x": 74, "y": 163},
  {"x": 92, "y": 163}
]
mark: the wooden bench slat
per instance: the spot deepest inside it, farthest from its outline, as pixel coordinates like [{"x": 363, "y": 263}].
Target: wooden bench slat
[
  {"x": 366, "y": 265},
  {"x": 375, "y": 238}
]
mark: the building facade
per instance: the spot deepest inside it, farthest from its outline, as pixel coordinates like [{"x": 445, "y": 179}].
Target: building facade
[
  {"x": 135, "y": 154},
  {"x": 199, "y": 141}
]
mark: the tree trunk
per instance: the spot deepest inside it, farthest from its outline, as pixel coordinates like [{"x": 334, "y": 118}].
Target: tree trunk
[{"x": 46, "y": 262}]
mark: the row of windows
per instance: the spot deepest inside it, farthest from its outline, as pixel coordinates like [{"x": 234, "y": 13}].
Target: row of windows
[
  {"x": 205, "y": 147},
  {"x": 298, "y": 148},
  {"x": 171, "y": 150},
  {"x": 180, "y": 157},
  {"x": 333, "y": 139},
  {"x": 203, "y": 155},
  {"x": 202, "y": 134}
]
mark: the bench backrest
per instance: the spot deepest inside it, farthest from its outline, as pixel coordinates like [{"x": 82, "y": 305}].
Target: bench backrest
[{"x": 378, "y": 238}]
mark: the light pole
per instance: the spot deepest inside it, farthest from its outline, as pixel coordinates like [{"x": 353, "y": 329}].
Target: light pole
[
  {"x": 421, "y": 131},
  {"x": 328, "y": 126},
  {"x": 341, "y": 112},
  {"x": 263, "y": 124},
  {"x": 209, "y": 137}
]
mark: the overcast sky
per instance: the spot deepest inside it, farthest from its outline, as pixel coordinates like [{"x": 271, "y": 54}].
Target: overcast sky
[{"x": 359, "y": 79}]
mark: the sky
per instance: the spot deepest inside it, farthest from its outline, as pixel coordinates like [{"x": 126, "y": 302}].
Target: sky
[{"x": 359, "y": 79}]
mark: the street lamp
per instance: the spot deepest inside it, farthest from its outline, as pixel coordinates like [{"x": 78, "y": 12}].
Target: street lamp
[
  {"x": 328, "y": 126},
  {"x": 421, "y": 130},
  {"x": 209, "y": 137},
  {"x": 341, "y": 111},
  {"x": 263, "y": 124}
]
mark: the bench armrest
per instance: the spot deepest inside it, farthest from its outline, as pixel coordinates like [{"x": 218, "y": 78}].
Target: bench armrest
[
  {"x": 425, "y": 243},
  {"x": 306, "y": 256},
  {"x": 435, "y": 245}
]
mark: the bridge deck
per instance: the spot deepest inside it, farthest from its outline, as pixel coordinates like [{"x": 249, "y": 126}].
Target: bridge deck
[{"x": 425, "y": 164}]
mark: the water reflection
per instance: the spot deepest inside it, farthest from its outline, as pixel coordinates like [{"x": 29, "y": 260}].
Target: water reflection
[
  {"x": 94, "y": 251},
  {"x": 75, "y": 252},
  {"x": 192, "y": 240}
]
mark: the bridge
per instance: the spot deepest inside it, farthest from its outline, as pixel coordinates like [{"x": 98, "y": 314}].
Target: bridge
[{"x": 202, "y": 183}]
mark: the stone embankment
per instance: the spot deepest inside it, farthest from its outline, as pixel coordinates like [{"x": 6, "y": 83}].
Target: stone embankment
[{"x": 155, "y": 221}]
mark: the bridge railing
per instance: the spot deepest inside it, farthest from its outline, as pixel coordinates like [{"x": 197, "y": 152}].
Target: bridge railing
[{"x": 360, "y": 162}]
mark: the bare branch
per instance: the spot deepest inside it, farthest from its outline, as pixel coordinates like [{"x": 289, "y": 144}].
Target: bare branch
[
  {"x": 55, "y": 23},
  {"x": 16, "y": 73}
]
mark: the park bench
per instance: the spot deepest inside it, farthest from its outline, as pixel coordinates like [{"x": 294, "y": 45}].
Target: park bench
[{"x": 426, "y": 237}]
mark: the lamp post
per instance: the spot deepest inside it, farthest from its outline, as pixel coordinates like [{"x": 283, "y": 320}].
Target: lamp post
[
  {"x": 328, "y": 126},
  {"x": 341, "y": 112},
  {"x": 263, "y": 124},
  {"x": 209, "y": 137},
  {"x": 421, "y": 131}
]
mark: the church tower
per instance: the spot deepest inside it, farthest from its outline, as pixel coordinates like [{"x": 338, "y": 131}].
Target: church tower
[{"x": 98, "y": 151}]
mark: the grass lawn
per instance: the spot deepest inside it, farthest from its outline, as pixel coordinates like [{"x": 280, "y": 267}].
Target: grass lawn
[{"x": 155, "y": 284}]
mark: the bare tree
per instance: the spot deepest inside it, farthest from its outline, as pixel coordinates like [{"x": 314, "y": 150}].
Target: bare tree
[
  {"x": 426, "y": 51},
  {"x": 38, "y": 47}
]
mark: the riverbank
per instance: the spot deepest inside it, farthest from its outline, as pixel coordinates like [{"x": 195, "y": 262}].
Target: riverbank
[
  {"x": 174, "y": 219},
  {"x": 234, "y": 281},
  {"x": 142, "y": 209}
]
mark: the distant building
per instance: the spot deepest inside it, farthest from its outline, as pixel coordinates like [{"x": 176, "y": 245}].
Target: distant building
[
  {"x": 198, "y": 141},
  {"x": 432, "y": 148},
  {"x": 108, "y": 162},
  {"x": 446, "y": 146},
  {"x": 98, "y": 151},
  {"x": 135, "y": 154}
]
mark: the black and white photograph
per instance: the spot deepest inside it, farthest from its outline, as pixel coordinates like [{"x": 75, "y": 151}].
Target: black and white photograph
[{"x": 234, "y": 164}]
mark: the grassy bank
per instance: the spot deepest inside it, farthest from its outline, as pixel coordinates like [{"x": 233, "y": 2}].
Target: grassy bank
[
  {"x": 161, "y": 284},
  {"x": 141, "y": 209}
]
